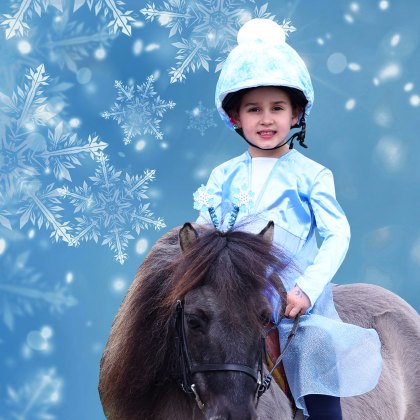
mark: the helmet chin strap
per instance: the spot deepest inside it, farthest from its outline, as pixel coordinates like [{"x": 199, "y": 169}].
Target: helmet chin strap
[{"x": 299, "y": 136}]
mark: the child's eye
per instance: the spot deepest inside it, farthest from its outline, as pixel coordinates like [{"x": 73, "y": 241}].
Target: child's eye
[
  {"x": 255, "y": 109},
  {"x": 277, "y": 108}
]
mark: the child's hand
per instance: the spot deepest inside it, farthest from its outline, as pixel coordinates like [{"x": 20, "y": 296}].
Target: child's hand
[{"x": 297, "y": 302}]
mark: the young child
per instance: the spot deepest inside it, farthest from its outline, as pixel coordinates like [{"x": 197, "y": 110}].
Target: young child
[{"x": 263, "y": 91}]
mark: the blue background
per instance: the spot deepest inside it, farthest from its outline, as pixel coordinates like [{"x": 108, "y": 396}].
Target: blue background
[{"x": 364, "y": 61}]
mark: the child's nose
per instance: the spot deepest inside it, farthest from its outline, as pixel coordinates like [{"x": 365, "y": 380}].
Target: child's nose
[{"x": 266, "y": 117}]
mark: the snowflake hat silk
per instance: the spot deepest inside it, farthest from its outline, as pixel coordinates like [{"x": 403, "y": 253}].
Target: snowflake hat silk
[{"x": 262, "y": 58}]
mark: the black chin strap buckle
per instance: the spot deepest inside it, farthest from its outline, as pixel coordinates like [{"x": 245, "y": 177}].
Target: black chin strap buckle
[{"x": 300, "y": 136}]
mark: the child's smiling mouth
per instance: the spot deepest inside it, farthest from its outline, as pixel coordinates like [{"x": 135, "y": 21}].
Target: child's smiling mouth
[{"x": 266, "y": 134}]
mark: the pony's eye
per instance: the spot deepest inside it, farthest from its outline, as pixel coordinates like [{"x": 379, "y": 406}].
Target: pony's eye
[{"x": 194, "y": 322}]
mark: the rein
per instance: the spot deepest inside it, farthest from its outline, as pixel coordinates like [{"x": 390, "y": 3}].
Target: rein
[{"x": 188, "y": 369}]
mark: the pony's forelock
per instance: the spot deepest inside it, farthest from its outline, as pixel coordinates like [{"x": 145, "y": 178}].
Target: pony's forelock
[{"x": 235, "y": 263}]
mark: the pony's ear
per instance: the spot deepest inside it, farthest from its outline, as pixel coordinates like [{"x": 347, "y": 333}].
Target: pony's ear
[
  {"x": 187, "y": 236},
  {"x": 268, "y": 232}
]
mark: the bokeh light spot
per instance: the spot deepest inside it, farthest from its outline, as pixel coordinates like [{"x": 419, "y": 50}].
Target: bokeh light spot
[
  {"x": 36, "y": 341},
  {"x": 391, "y": 153},
  {"x": 336, "y": 63},
  {"x": 84, "y": 75}
]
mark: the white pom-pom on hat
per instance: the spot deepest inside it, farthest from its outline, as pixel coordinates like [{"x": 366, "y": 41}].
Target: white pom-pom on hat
[{"x": 261, "y": 30}]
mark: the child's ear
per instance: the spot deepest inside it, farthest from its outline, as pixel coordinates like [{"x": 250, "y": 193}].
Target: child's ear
[
  {"x": 295, "y": 115},
  {"x": 234, "y": 116}
]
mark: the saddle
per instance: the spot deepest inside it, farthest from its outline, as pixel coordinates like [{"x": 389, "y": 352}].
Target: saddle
[{"x": 272, "y": 343}]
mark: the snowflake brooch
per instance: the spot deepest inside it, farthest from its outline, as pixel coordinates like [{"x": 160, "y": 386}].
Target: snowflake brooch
[
  {"x": 242, "y": 200},
  {"x": 204, "y": 200}
]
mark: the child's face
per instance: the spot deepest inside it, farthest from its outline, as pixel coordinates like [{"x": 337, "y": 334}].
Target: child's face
[{"x": 266, "y": 116}]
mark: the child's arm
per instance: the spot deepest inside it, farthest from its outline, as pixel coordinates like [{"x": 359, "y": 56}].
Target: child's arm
[{"x": 335, "y": 231}]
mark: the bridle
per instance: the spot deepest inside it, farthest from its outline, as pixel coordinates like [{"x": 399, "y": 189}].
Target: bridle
[{"x": 188, "y": 368}]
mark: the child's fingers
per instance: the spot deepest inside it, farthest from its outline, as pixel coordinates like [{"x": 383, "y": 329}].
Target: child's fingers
[
  {"x": 289, "y": 307},
  {"x": 293, "y": 313}
]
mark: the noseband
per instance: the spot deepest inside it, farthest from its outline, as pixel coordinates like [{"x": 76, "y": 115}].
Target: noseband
[{"x": 188, "y": 369}]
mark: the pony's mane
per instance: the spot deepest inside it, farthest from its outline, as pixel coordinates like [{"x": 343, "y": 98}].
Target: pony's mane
[{"x": 140, "y": 348}]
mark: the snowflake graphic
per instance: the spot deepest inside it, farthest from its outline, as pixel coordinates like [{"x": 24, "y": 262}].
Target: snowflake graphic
[
  {"x": 112, "y": 207},
  {"x": 22, "y": 290},
  {"x": 33, "y": 156},
  {"x": 4, "y": 213},
  {"x": 16, "y": 23},
  {"x": 138, "y": 109},
  {"x": 201, "y": 118},
  {"x": 12, "y": 63},
  {"x": 205, "y": 29},
  {"x": 66, "y": 43},
  {"x": 70, "y": 41},
  {"x": 36, "y": 398},
  {"x": 120, "y": 21}
]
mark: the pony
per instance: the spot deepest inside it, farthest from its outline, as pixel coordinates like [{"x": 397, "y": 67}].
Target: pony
[{"x": 220, "y": 279}]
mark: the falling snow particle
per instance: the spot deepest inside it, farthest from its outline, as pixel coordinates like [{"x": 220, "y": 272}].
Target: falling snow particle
[
  {"x": 383, "y": 5},
  {"x": 354, "y": 7},
  {"x": 24, "y": 47},
  {"x": 46, "y": 332},
  {"x": 348, "y": 18},
  {"x": 354, "y": 67},
  {"x": 395, "y": 40},
  {"x": 140, "y": 145},
  {"x": 415, "y": 100},
  {"x": 119, "y": 285},
  {"x": 350, "y": 104},
  {"x": 141, "y": 246},
  {"x": 390, "y": 72},
  {"x": 152, "y": 47},
  {"x": 408, "y": 87},
  {"x": 137, "y": 47}
]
